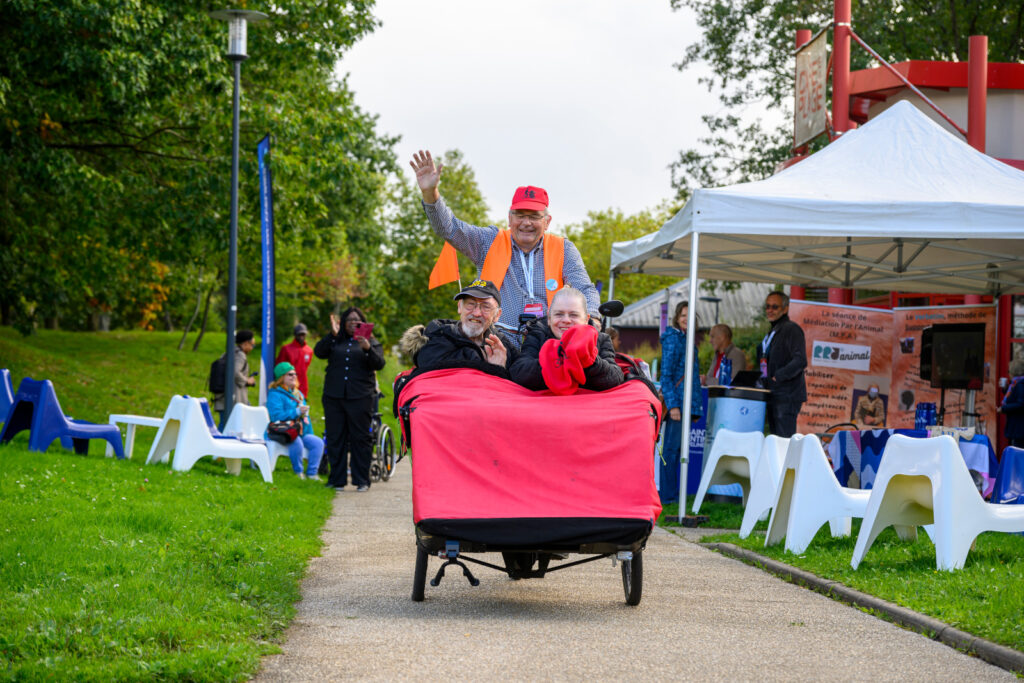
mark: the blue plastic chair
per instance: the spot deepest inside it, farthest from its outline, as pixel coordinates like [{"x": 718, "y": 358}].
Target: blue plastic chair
[
  {"x": 6, "y": 393},
  {"x": 36, "y": 408},
  {"x": 1010, "y": 480}
]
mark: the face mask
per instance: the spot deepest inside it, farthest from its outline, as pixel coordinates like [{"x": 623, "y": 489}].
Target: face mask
[{"x": 872, "y": 393}]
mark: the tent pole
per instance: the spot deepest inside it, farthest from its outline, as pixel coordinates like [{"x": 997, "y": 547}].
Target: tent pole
[
  {"x": 691, "y": 333},
  {"x": 611, "y": 285}
]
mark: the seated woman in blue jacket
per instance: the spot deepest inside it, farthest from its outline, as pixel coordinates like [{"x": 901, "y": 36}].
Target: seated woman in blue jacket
[{"x": 286, "y": 402}]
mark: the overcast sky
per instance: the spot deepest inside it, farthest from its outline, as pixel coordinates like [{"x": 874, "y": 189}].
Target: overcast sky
[{"x": 578, "y": 97}]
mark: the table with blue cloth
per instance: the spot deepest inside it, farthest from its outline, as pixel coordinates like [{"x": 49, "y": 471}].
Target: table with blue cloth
[{"x": 861, "y": 452}]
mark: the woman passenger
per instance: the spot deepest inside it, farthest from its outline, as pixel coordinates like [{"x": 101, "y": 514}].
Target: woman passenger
[{"x": 568, "y": 309}]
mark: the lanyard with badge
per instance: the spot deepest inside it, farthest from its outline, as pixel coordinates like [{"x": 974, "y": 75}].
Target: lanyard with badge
[
  {"x": 765, "y": 345},
  {"x": 531, "y": 308}
]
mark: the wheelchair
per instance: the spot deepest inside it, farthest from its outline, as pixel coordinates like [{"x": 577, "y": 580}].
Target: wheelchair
[{"x": 382, "y": 462}]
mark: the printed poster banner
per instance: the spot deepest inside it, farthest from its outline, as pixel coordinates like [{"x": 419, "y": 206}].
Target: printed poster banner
[
  {"x": 849, "y": 353},
  {"x": 907, "y": 386},
  {"x": 267, "y": 250}
]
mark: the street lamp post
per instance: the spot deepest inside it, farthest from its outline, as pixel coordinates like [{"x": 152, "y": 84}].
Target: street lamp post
[
  {"x": 238, "y": 20},
  {"x": 715, "y": 300}
]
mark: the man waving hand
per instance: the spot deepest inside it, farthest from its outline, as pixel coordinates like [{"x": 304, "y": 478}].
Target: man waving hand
[{"x": 526, "y": 263}]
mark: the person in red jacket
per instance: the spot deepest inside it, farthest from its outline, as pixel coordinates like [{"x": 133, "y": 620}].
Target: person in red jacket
[{"x": 299, "y": 355}]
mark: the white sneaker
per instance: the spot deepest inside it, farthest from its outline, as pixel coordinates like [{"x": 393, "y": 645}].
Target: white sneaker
[
  {"x": 301, "y": 475},
  {"x": 362, "y": 489},
  {"x": 313, "y": 477}
]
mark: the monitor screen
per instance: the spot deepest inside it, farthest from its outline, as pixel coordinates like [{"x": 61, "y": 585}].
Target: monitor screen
[{"x": 958, "y": 356}]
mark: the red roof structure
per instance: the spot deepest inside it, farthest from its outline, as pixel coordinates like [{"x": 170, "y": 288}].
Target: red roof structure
[{"x": 871, "y": 86}]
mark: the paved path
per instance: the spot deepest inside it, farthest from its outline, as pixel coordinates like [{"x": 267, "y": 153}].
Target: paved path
[{"x": 703, "y": 617}]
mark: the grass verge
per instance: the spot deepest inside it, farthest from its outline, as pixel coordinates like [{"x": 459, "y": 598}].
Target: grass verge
[
  {"x": 721, "y": 515},
  {"x": 135, "y": 372},
  {"x": 114, "y": 570},
  {"x": 985, "y": 598}
]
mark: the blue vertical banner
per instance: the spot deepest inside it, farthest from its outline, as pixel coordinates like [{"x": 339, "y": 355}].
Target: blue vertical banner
[{"x": 267, "y": 244}]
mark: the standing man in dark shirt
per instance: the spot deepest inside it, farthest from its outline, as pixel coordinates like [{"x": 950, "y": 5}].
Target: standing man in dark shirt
[
  {"x": 349, "y": 398},
  {"x": 782, "y": 357}
]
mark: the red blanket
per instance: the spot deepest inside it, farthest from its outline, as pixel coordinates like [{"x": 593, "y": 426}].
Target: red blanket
[{"x": 486, "y": 448}]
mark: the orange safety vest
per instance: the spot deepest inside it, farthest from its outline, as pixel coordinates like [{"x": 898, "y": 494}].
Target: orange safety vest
[{"x": 499, "y": 258}]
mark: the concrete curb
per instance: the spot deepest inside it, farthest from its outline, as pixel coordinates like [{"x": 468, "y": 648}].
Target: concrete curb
[{"x": 993, "y": 653}]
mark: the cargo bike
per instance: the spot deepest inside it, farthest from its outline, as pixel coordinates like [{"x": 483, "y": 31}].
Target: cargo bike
[{"x": 533, "y": 476}]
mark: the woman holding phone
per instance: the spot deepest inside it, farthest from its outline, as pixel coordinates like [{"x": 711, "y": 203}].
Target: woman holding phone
[{"x": 350, "y": 394}]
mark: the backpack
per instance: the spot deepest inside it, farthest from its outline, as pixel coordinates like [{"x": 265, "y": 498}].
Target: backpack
[{"x": 218, "y": 368}]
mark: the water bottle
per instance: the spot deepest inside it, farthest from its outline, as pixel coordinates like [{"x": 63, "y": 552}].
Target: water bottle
[{"x": 725, "y": 372}]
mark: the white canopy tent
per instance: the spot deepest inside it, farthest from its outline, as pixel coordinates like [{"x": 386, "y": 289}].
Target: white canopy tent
[{"x": 898, "y": 204}]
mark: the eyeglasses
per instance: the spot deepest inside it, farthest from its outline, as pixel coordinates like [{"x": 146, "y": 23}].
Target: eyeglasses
[
  {"x": 531, "y": 217},
  {"x": 472, "y": 305},
  {"x": 290, "y": 374},
  {"x": 773, "y": 307}
]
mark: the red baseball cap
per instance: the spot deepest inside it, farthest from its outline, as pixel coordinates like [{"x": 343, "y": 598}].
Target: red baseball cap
[{"x": 530, "y": 198}]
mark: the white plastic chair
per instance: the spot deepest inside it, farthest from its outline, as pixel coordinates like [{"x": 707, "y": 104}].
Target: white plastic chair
[
  {"x": 925, "y": 481},
  {"x": 765, "y": 482},
  {"x": 732, "y": 459},
  {"x": 247, "y": 422},
  {"x": 189, "y": 431},
  {"x": 810, "y": 495},
  {"x": 250, "y": 423}
]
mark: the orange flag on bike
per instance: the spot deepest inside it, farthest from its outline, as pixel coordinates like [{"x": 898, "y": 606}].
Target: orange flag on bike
[{"x": 446, "y": 269}]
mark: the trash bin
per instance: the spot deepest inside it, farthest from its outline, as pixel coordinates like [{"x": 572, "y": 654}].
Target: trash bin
[{"x": 740, "y": 409}]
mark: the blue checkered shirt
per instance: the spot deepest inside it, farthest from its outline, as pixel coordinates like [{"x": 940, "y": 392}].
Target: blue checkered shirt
[{"x": 474, "y": 242}]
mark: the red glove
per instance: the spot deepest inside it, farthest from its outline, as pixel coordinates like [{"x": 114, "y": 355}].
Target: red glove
[
  {"x": 553, "y": 369},
  {"x": 580, "y": 342}
]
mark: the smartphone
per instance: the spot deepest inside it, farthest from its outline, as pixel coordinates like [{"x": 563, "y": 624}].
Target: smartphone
[{"x": 363, "y": 330}]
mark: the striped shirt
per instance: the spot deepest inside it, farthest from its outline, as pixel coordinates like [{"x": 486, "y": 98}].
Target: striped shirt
[{"x": 475, "y": 242}]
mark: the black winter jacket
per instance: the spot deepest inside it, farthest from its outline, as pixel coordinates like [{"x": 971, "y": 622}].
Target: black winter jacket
[
  {"x": 603, "y": 374},
  {"x": 447, "y": 347},
  {"x": 351, "y": 372},
  {"x": 787, "y": 360}
]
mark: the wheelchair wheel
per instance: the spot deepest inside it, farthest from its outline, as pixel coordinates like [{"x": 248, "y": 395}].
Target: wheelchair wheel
[
  {"x": 376, "y": 462},
  {"x": 633, "y": 578},
  {"x": 386, "y": 447}
]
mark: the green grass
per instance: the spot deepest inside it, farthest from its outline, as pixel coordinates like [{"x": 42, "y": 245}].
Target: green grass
[
  {"x": 985, "y": 598},
  {"x": 720, "y": 515},
  {"x": 136, "y": 372},
  {"x": 116, "y": 570}
]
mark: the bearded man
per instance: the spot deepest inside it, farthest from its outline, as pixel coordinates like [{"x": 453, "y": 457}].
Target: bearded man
[{"x": 472, "y": 340}]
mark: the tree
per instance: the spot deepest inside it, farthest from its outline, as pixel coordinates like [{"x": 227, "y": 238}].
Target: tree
[
  {"x": 748, "y": 45},
  {"x": 115, "y": 154},
  {"x": 594, "y": 238},
  {"x": 414, "y": 247}
]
